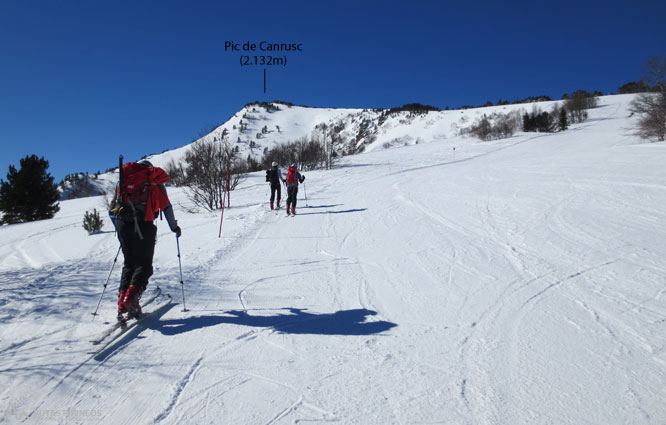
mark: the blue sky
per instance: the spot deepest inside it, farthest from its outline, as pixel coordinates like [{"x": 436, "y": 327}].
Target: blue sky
[{"x": 82, "y": 82}]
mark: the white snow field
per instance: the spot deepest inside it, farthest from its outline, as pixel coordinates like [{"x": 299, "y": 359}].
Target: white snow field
[{"x": 520, "y": 281}]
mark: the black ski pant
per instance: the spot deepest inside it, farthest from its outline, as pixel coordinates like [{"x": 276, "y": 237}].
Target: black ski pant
[
  {"x": 292, "y": 193},
  {"x": 276, "y": 187},
  {"x": 138, "y": 252}
]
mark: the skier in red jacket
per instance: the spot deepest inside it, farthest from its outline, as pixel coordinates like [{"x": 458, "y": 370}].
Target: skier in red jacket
[
  {"x": 140, "y": 197},
  {"x": 293, "y": 179}
]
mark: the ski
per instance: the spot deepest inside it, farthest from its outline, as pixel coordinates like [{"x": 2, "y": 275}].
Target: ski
[
  {"x": 152, "y": 310},
  {"x": 118, "y": 324}
]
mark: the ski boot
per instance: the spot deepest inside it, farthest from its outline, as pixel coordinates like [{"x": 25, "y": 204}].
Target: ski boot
[
  {"x": 131, "y": 302},
  {"x": 121, "y": 298},
  {"x": 121, "y": 308}
]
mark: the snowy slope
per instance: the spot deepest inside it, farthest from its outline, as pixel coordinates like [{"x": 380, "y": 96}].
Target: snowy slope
[
  {"x": 512, "y": 282},
  {"x": 358, "y": 130}
]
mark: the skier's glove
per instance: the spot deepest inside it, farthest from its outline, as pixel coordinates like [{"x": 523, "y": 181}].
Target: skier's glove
[
  {"x": 302, "y": 179},
  {"x": 177, "y": 231}
]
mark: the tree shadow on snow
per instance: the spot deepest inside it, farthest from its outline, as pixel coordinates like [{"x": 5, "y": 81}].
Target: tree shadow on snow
[{"x": 298, "y": 321}]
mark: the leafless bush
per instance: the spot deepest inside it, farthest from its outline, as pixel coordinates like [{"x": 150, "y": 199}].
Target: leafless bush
[
  {"x": 651, "y": 107},
  {"x": 578, "y": 104},
  {"x": 206, "y": 172},
  {"x": 308, "y": 153},
  {"x": 506, "y": 125},
  {"x": 495, "y": 126},
  {"x": 176, "y": 173}
]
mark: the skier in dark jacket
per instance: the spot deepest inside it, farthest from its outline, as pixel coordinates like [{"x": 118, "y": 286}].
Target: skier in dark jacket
[
  {"x": 137, "y": 235},
  {"x": 274, "y": 176},
  {"x": 293, "y": 179}
]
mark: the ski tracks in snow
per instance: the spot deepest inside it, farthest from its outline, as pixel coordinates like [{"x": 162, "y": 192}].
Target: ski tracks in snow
[
  {"x": 178, "y": 391},
  {"x": 516, "y": 291},
  {"x": 495, "y": 335},
  {"x": 194, "y": 392}
]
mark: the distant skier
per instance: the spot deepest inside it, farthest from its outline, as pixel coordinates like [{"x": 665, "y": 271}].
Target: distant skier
[
  {"x": 140, "y": 196},
  {"x": 274, "y": 176},
  {"x": 293, "y": 179}
]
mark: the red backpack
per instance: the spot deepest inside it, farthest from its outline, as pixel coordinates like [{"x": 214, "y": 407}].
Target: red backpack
[
  {"x": 135, "y": 197},
  {"x": 292, "y": 175}
]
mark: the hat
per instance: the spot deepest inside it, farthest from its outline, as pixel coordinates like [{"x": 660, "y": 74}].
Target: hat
[
  {"x": 146, "y": 162},
  {"x": 274, "y": 164}
]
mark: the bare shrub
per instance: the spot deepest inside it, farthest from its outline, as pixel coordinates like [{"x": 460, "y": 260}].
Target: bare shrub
[
  {"x": 206, "y": 172},
  {"x": 578, "y": 104},
  {"x": 651, "y": 107},
  {"x": 176, "y": 173},
  {"x": 308, "y": 153},
  {"x": 495, "y": 126}
]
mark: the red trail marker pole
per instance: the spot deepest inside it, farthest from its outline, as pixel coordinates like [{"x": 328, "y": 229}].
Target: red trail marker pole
[{"x": 224, "y": 198}]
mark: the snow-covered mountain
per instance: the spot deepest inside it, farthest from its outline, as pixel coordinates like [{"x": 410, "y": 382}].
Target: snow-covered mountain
[
  {"x": 258, "y": 127},
  {"x": 518, "y": 281}
]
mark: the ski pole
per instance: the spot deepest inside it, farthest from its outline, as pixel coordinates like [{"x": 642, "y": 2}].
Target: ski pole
[
  {"x": 182, "y": 285},
  {"x": 306, "y": 194},
  {"x": 107, "y": 282}
]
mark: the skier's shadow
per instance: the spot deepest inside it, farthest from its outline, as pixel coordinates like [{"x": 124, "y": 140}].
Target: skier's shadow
[
  {"x": 334, "y": 212},
  {"x": 297, "y": 321},
  {"x": 322, "y": 206}
]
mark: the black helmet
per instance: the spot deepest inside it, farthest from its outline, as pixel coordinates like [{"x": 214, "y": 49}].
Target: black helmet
[{"x": 146, "y": 162}]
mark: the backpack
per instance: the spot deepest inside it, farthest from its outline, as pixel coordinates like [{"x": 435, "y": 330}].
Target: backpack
[
  {"x": 273, "y": 176},
  {"x": 135, "y": 198},
  {"x": 292, "y": 175}
]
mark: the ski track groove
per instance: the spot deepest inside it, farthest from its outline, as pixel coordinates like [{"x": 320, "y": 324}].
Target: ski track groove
[
  {"x": 500, "y": 250},
  {"x": 627, "y": 370},
  {"x": 43, "y": 275},
  {"x": 237, "y": 247},
  {"x": 178, "y": 391},
  {"x": 520, "y": 267},
  {"x": 45, "y": 397},
  {"x": 17, "y": 345},
  {"x": 559, "y": 282},
  {"x": 286, "y": 411},
  {"x": 244, "y": 247},
  {"x": 490, "y": 317}
]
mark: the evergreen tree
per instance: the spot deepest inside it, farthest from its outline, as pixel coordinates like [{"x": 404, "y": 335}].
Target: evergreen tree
[
  {"x": 29, "y": 194},
  {"x": 527, "y": 123},
  {"x": 544, "y": 123},
  {"x": 634, "y": 87},
  {"x": 564, "y": 122},
  {"x": 540, "y": 122},
  {"x": 92, "y": 222}
]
